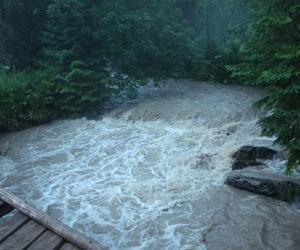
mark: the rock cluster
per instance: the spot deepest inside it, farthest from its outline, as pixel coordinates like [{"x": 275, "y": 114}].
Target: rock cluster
[
  {"x": 251, "y": 156},
  {"x": 261, "y": 182}
]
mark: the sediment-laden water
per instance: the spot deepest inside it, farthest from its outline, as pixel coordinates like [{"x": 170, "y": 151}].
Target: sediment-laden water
[{"x": 150, "y": 173}]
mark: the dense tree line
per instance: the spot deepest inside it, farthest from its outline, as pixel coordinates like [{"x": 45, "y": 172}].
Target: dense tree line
[
  {"x": 57, "y": 56},
  {"x": 271, "y": 59},
  {"x": 147, "y": 37}
]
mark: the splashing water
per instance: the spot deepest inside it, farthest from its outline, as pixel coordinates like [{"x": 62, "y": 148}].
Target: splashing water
[{"x": 149, "y": 174}]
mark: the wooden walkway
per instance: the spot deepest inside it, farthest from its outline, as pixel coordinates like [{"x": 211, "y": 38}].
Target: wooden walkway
[{"x": 23, "y": 227}]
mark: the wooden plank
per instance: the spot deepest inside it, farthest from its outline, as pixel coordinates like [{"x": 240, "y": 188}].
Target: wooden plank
[
  {"x": 5, "y": 208},
  {"x": 69, "y": 246},
  {"x": 23, "y": 236},
  {"x": 47, "y": 240},
  {"x": 57, "y": 227},
  {"x": 11, "y": 225}
]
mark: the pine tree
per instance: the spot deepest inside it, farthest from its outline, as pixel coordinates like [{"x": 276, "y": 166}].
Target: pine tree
[
  {"x": 72, "y": 52},
  {"x": 272, "y": 60}
]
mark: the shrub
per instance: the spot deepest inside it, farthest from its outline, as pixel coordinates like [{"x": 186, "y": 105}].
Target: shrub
[{"x": 26, "y": 99}]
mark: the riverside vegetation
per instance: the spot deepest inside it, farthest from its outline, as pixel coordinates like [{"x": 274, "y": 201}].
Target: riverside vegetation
[{"x": 68, "y": 58}]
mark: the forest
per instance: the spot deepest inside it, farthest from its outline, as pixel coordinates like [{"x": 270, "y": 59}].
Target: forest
[{"x": 67, "y": 58}]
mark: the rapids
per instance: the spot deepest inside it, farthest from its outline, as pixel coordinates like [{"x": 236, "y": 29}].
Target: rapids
[{"x": 149, "y": 174}]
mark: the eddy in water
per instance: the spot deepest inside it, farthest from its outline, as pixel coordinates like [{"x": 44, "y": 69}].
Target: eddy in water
[{"x": 150, "y": 174}]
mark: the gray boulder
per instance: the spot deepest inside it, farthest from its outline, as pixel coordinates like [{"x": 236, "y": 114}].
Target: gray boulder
[
  {"x": 275, "y": 186},
  {"x": 250, "y": 156}
]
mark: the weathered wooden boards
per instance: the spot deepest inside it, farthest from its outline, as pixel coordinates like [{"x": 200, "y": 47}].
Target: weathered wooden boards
[
  {"x": 23, "y": 227},
  {"x": 11, "y": 225},
  {"x": 68, "y": 246},
  {"x": 48, "y": 238},
  {"x": 23, "y": 237}
]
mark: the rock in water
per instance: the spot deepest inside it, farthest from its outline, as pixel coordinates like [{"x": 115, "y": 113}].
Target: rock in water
[
  {"x": 275, "y": 186},
  {"x": 249, "y": 155}
]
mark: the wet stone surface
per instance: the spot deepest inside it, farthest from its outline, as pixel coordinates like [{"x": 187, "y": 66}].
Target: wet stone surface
[
  {"x": 278, "y": 187},
  {"x": 248, "y": 156}
]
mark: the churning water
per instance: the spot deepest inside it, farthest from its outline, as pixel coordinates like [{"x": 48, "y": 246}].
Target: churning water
[{"x": 150, "y": 173}]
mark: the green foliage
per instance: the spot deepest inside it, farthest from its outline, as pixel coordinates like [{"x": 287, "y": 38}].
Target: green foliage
[
  {"x": 72, "y": 52},
  {"x": 26, "y": 99},
  {"x": 217, "y": 66},
  {"x": 81, "y": 90},
  {"x": 147, "y": 38},
  {"x": 214, "y": 67},
  {"x": 272, "y": 60}
]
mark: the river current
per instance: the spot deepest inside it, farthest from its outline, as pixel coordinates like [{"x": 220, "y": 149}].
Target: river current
[{"x": 149, "y": 174}]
